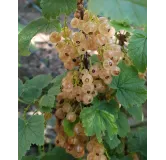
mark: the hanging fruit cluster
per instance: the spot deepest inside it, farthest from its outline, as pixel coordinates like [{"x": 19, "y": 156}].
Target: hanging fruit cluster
[{"x": 84, "y": 81}]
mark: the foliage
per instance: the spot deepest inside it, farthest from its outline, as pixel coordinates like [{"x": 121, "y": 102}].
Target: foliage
[
  {"x": 28, "y": 32},
  {"x": 130, "y": 88},
  {"x": 53, "y": 8},
  {"x": 137, "y": 50},
  {"x": 30, "y": 132},
  {"x": 120, "y": 10}
]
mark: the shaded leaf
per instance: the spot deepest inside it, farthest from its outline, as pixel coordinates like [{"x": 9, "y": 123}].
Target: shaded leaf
[
  {"x": 137, "y": 50},
  {"x": 120, "y": 10},
  {"x": 30, "y": 93},
  {"x": 136, "y": 112},
  {"x": 123, "y": 125},
  {"x": 137, "y": 141},
  {"x": 113, "y": 143},
  {"x": 40, "y": 81},
  {"x": 28, "y": 32},
  {"x": 54, "y": 8},
  {"x": 57, "y": 154},
  {"x": 55, "y": 90},
  {"x": 121, "y": 26},
  {"x": 30, "y": 132},
  {"x": 47, "y": 101},
  {"x": 140, "y": 2},
  {"x": 130, "y": 88},
  {"x": 20, "y": 87},
  {"x": 96, "y": 121}
]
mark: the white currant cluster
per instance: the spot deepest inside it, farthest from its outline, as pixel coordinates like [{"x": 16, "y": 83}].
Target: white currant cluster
[{"x": 84, "y": 81}]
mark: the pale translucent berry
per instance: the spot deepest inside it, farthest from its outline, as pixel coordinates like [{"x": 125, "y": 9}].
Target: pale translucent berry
[
  {"x": 79, "y": 148},
  {"x": 115, "y": 70},
  {"x": 90, "y": 145},
  {"x": 98, "y": 84},
  {"x": 101, "y": 39},
  {"x": 78, "y": 129},
  {"x": 55, "y": 37},
  {"x": 66, "y": 107},
  {"x": 87, "y": 79},
  {"x": 92, "y": 156},
  {"x": 81, "y": 24},
  {"x": 60, "y": 140},
  {"x": 73, "y": 140},
  {"x": 74, "y": 23},
  {"x": 108, "y": 64},
  {"x": 87, "y": 98},
  {"x": 71, "y": 116},
  {"x": 87, "y": 88},
  {"x": 94, "y": 70},
  {"x": 103, "y": 20},
  {"x": 67, "y": 86},
  {"x": 107, "y": 80},
  {"x": 78, "y": 37},
  {"x": 102, "y": 157},
  {"x": 89, "y": 27},
  {"x": 104, "y": 28},
  {"x": 98, "y": 149},
  {"x": 91, "y": 41},
  {"x": 86, "y": 16},
  {"x": 59, "y": 113}
]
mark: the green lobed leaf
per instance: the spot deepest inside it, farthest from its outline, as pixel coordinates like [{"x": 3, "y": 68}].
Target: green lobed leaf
[
  {"x": 123, "y": 125},
  {"x": 111, "y": 107},
  {"x": 121, "y": 26},
  {"x": 28, "y": 32},
  {"x": 120, "y": 10},
  {"x": 96, "y": 121},
  {"x": 55, "y": 90},
  {"x": 40, "y": 81},
  {"x": 54, "y": 8},
  {"x": 47, "y": 101},
  {"x": 140, "y": 2},
  {"x": 69, "y": 127},
  {"x": 30, "y": 93},
  {"x": 30, "y": 132},
  {"x": 113, "y": 143},
  {"x": 137, "y": 50},
  {"x": 136, "y": 112},
  {"x": 57, "y": 154},
  {"x": 130, "y": 88},
  {"x": 137, "y": 141},
  {"x": 58, "y": 79}
]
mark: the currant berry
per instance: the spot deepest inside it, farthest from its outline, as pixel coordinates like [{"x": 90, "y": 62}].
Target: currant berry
[
  {"x": 60, "y": 140},
  {"x": 115, "y": 70},
  {"x": 87, "y": 98},
  {"x": 87, "y": 79},
  {"x": 74, "y": 23},
  {"x": 66, "y": 107},
  {"x": 71, "y": 116},
  {"x": 78, "y": 129},
  {"x": 59, "y": 113},
  {"x": 55, "y": 37}
]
